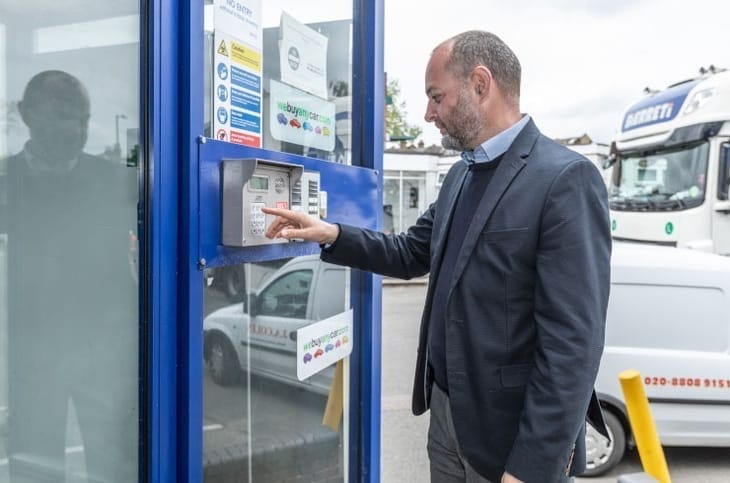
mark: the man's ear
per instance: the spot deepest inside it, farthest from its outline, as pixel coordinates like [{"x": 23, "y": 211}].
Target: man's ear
[
  {"x": 26, "y": 113},
  {"x": 22, "y": 111},
  {"x": 482, "y": 79}
]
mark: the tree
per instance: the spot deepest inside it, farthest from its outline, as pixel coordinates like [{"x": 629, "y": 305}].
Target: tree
[{"x": 396, "y": 126}]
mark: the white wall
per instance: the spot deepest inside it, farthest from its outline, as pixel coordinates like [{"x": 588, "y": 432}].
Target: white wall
[{"x": 428, "y": 163}]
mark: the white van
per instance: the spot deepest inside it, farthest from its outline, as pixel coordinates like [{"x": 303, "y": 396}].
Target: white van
[
  {"x": 668, "y": 318},
  {"x": 258, "y": 335}
]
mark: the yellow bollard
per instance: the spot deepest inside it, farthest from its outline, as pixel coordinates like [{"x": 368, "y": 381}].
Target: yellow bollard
[{"x": 642, "y": 425}]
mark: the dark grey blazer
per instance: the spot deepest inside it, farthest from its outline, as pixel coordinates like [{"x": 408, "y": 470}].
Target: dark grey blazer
[{"x": 526, "y": 307}]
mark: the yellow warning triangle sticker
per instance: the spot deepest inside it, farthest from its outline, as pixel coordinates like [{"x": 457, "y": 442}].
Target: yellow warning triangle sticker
[{"x": 222, "y": 48}]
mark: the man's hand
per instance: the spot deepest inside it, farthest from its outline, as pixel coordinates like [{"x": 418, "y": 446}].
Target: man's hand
[
  {"x": 295, "y": 224},
  {"x": 507, "y": 478}
]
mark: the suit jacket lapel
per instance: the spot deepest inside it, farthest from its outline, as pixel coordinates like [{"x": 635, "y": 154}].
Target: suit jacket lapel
[
  {"x": 511, "y": 164},
  {"x": 447, "y": 205}
]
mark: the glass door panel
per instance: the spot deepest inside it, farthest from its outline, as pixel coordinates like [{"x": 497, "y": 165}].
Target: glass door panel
[
  {"x": 281, "y": 88},
  {"x": 261, "y": 423},
  {"x": 69, "y": 324}
]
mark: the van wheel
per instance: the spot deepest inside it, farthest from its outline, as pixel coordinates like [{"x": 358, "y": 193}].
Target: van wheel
[
  {"x": 603, "y": 455},
  {"x": 222, "y": 361}
]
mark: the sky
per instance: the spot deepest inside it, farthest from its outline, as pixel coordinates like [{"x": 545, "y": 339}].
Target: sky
[{"x": 583, "y": 62}]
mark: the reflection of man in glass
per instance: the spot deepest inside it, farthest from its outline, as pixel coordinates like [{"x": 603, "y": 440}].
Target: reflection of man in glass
[{"x": 72, "y": 300}]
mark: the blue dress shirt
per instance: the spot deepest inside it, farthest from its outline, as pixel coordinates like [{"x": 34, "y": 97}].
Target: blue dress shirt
[{"x": 495, "y": 146}]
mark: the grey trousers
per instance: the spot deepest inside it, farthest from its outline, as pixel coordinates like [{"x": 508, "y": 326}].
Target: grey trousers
[{"x": 447, "y": 464}]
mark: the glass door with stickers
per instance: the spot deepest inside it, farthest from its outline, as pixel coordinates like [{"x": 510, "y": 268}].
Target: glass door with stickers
[{"x": 281, "y": 350}]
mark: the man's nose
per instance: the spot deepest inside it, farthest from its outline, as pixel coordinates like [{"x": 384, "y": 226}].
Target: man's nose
[{"x": 430, "y": 115}]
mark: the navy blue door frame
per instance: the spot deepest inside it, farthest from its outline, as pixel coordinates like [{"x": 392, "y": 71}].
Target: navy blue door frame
[{"x": 171, "y": 312}]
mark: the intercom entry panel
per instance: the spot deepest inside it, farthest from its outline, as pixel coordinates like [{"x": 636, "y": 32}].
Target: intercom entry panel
[
  {"x": 247, "y": 186},
  {"x": 306, "y": 194}
]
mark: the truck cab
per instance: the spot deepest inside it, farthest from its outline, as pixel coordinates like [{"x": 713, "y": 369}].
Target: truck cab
[{"x": 669, "y": 184}]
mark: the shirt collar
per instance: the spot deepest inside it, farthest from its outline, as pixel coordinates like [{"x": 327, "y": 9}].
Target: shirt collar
[{"x": 495, "y": 146}]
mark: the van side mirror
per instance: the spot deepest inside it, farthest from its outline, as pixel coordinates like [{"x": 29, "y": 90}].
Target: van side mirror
[
  {"x": 250, "y": 304},
  {"x": 613, "y": 156},
  {"x": 609, "y": 161},
  {"x": 723, "y": 174}
]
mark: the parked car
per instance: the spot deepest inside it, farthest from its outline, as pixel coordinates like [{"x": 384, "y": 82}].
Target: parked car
[
  {"x": 668, "y": 318},
  {"x": 259, "y": 334}
]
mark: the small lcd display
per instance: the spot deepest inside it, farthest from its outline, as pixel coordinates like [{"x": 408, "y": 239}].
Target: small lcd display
[{"x": 259, "y": 183}]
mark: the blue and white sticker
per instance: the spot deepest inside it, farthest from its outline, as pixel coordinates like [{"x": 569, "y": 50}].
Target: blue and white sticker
[{"x": 222, "y": 115}]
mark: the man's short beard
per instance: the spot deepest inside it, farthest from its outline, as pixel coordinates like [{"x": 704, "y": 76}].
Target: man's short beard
[
  {"x": 450, "y": 142},
  {"x": 465, "y": 126}
]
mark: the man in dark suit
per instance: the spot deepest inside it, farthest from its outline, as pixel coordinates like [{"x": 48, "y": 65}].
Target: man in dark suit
[{"x": 517, "y": 246}]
